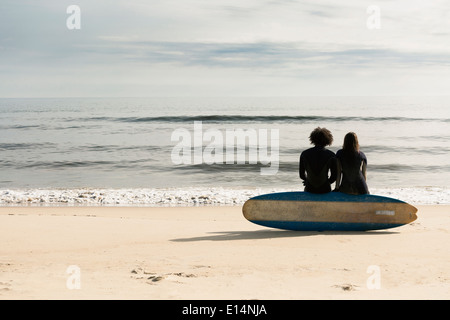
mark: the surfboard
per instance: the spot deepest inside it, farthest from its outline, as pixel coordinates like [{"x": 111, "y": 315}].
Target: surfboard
[{"x": 334, "y": 211}]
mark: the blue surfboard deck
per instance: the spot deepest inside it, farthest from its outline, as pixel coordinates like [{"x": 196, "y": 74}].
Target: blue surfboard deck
[
  {"x": 325, "y": 226},
  {"x": 325, "y": 197},
  {"x": 334, "y": 211}
]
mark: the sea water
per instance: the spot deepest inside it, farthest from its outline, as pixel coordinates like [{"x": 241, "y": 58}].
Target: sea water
[{"x": 120, "y": 151}]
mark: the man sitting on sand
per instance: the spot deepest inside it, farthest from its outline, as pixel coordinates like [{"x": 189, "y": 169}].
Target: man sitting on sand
[{"x": 317, "y": 162}]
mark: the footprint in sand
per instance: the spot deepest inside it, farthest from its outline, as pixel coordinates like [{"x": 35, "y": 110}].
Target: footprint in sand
[
  {"x": 4, "y": 287},
  {"x": 155, "y": 277},
  {"x": 346, "y": 287},
  {"x": 182, "y": 274}
]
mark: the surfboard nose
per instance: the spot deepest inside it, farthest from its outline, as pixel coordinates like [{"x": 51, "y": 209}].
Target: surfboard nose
[{"x": 412, "y": 214}]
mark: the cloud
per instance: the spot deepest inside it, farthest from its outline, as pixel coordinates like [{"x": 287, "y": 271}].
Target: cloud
[
  {"x": 263, "y": 55},
  {"x": 262, "y": 45}
]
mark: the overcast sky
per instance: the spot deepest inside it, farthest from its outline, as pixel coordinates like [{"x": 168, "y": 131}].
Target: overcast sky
[{"x": 224, "y": 48}]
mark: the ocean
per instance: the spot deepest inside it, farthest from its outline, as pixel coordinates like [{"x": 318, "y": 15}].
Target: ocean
[{"x": 181, "y": 151}]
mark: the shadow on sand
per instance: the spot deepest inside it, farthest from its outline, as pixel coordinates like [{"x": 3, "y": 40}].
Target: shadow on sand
[{"x": 273, "y": 234}]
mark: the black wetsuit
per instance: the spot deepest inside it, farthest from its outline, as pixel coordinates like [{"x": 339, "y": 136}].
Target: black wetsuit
[
  {"x": 353, "y": 181},
  {"x": 316, "y": 162}
]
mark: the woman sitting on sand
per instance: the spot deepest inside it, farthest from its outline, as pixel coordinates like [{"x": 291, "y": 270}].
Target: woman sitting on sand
[{"x": 352, "y": 164}]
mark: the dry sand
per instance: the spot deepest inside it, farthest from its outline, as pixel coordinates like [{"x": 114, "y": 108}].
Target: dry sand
[{"x": 214, "y": 253}]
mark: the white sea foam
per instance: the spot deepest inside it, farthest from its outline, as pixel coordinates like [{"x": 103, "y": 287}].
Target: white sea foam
[{"x": 185, "y": 197}]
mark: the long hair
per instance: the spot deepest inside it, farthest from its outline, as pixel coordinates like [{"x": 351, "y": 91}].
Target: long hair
[{"x": 351, "y": 144}]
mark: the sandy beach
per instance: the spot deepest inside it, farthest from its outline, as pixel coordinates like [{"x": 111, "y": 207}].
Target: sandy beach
[{"x": 214, "y": 253}]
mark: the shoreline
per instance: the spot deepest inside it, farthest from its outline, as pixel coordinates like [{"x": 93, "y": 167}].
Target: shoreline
[
  {"x": 193, "y": 196},
  {"x": 212, "y": 252}
]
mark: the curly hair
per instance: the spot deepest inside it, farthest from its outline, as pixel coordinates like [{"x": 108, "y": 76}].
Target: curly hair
[{"x": 321, "y": 137}]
